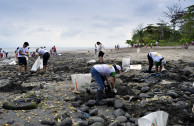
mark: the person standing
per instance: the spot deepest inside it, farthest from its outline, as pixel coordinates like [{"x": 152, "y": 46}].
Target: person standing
[
  {"x": 151, "y": 45},
  {"x": 158, "y": 60},
  {"x": 45, "y": 55},
  {"x": 95, "y": 48},
  {"x": 102, "y": 72},
  {"x": 1, "y": 53},
  {"x": 101, "y": 51},
  {"x": 22, "y": 52},
  {"x": 54, "y": 51},
  {"x": 6, "y": 53}
]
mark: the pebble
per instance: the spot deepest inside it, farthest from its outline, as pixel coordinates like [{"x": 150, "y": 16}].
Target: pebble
[
  {"x": 145, "y": 89},
  {"x": 122, "y": 119},
  {"x": 115, "y": 123},
  {"x": 66, "y": 122},
  {"x": 143, "y": 95},
  {"x": 94, "y": 112},
  {"x": 119, "y": 112},
  {"x": 118, "y": 104},
  {"x": 10, "y": 121},
  {"x": 95, "y": 119},
  {"x": 84, "y": 109},
  {"x": 172, "y": 94},
  {"x": 91, "y": 103}
]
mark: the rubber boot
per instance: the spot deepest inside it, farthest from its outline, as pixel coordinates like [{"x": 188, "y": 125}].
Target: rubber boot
[{"x": 99, "y": 97}]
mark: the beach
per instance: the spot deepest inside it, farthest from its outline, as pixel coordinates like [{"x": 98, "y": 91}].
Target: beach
[{"x": 139, "y": 93}]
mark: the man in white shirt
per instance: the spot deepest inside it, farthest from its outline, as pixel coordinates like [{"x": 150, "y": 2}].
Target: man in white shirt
[
  {"x": 158, "y": 60},
  {"x": 22, "y": 52},
  {"x": 44, "y": 53},
  {"x": 101, "y": 51}
]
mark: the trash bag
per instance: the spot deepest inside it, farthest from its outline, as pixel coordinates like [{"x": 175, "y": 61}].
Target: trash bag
[
  {"x": 126, "y": 64},
  {"x": 12, "y": 63},
  {"x": 158, "y": 118},
  {"x": 81, "y": 81},
  {"x": 38, "y": 64}
]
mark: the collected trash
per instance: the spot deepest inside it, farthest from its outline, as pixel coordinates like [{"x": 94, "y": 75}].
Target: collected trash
[
  {"x": 38, "y": 64},
  {"x": 60, "y": 54},
  {"x": 158, "y": 118},
  {"x": 135, "y": 67},
  {"x": 91, "y": 61},
  {"x": 81, "y": 81},
  {"x": 126, "y": 64},
  {"x": 12, "y": 63}
]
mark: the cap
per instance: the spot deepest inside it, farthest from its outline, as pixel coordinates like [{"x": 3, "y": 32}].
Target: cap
[{"x": 118, "y": 67}]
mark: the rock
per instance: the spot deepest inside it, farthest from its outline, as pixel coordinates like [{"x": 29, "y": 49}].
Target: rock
[
  {"x": 172, "y": 94},
  {"x": 46, "y": 122},
  {"x": 145, "y": 89},
  {"x": 118, "y": 104},
  {"x": 84, "y": 123},
  {"x": 121, "y": 119},
  {"x": 156, "y": 90},
  {"x": 75, "y": 104},
  {"x": 66, "y": 122},
  {"x": 129, "y": 124},
  {"x": 95, "y": 119},
  {"x": 191, "y": 64},
  {"x": 94, "y": 112},
  {"x": 119, "y": 112},
  {"x": 115, "y": 123},
  {"x": 70, "y": 98},
  {"x": 110, "y": 101},
  {"x": 10, "y": 121},
  {"x": 118, "y": 82},
  {"x": 91, "y": 103},
  {"x": 98, "y": 124},
  {"x": 85, "y": 116},
  {"x": 104, "y": 117},
  {"x": 127, "y": 115},
  {"x": 181, "y": 104},
  {"x": 150, "y": 94},
  {"x": 84, "y": 109},
  {"x": 143, "y": 95},
  {"x": 132, "y": 120}
]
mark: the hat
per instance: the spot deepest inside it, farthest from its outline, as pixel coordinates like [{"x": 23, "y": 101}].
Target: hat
[
  {"x": 118, "y": 67},
  {"x": 163, "y": 62}
]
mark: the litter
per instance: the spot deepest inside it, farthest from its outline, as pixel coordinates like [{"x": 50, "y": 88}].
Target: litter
[
  {"x": 126, "y": 64},
  {"x": 91, "y": 61},
  {"x": 135, "y": 67},
  {"x": 12, "y": 63},
  {"x": 158, "y": 118},
  {"x": 38, "y": 64},
  {"x": 60, "y": 54},
  {"x": 80, "y": 81}
]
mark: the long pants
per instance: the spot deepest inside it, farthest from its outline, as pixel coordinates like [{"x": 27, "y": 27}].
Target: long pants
[
  {"x": 97, "y": 76},
  {"x": 150, "y": 63}
]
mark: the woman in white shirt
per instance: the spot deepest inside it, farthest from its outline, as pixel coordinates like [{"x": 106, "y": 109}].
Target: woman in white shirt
[{"x": 101, "y": 51}]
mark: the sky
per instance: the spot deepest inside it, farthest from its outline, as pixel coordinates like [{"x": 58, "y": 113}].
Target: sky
[{"x": 76, "y": 23}]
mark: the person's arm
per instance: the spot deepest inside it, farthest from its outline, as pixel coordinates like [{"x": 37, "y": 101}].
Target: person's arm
[{"x": 112, "y": 81}]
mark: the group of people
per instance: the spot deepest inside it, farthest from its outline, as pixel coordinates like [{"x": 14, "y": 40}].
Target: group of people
[
  {"x": 3, "y": 53},
  {"x": 144, "y": 45},
  {"x": 23, "y": 52}
]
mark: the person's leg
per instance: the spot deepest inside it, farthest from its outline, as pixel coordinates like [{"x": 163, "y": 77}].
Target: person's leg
[
  {"x": 156, "y": 68},
  {"x": 150, "y": 64},
  {"x": 160, "y": 69},
  {"x": 20, "y": 69},
  {"x": 25, "y": 68}
]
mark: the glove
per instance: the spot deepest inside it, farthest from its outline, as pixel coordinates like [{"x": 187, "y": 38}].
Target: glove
[
  {"x": 114, "y": 90},
  {"x": 160, "y": 74},
  {"x": 157, "y": 74}
]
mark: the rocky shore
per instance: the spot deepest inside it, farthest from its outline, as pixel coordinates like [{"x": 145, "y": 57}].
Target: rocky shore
[{"x": 139, "y": 93}]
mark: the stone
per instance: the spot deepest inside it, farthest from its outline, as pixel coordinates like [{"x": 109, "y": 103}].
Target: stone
[
  {"x": 110, "y": 101},
  {"x": 91, "y": 103},
  {"x": 10, "y": 122},
  {"x": 181, "y": 104},
  {"x": 84, "y": 123},
  {"x": 129, "y": 124},
  {"x": 115, "y": 123},
  {"x": 118, "y": 104},
  {"x": 132, "y": 120},
  {"x": 98, "y": 124},
  {"x": 94, "y": 112},
  {"x": 46, "y": 122},
  {"x": 84, "y": 109},
  {"x": 145, "y": 89},
  {"x": 66, "y": 122},
  {"x": 172, "y": 94},
  {"x": 150, "y": 94},
  {"x": 104, "y": 117},
  {"x": 119, "y": 112},
  {"x": 127, "y": 115},
  {"x": 143, "y": 95},
  {"x": 122, "y": 119},
  {"x": 95, "y": 119},
  {"x": 75, "y": 104}
]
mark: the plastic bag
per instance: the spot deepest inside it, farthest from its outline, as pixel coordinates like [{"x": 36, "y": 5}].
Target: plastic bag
[
  {"x": 158, "y": 118},
  {"x": 135, "y": 67},
  {"x": 126, "y": 64},
  {"x": 38, "y": 64},
  {"x": 81, "y": 81}
]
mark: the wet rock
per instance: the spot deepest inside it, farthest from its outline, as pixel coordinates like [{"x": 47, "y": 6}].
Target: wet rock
[
  {"x": 104, "y": 117},
  {"x": 156, "y": 90},
  {"x": 181, "y": 104},
  {"x": 10, "y": 121},
  {"x": 129, "y": 124},
  {"x": 84, "y": 109},
  {"x": 91, "y": 103},
  {"x": 118, "y": 104},
  {"x": 121, "y": 119},
  {"x": 84, "y": 123},
  {"x": 75, "y": 104},
  {"x": 115, "y": 123},
  {"x": 172, "y": 94},
  {"x": 143, "y": 95},
  {"x": 150, "y": 94},
  {"x": 98, "y": 124},
  {"x": 94, "y": 112},
  {"x": 132, "y": 120},
  {"x": 191, "y": 64},
  {"x": 145, "y": 89},
  {"x": 66, "y": 122},
  {"x": 95, "y": 119},
  {"x": 70, "y": 98},
  {"x": 119, "y": 112},
  {"x": 127, "y": 115}
]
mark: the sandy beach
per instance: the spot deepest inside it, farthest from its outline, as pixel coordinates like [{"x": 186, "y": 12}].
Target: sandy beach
[{"x": 139, "y": 93}]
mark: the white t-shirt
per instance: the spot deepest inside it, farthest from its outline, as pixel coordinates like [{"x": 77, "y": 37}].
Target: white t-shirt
[
  {"x": 1, "y": 51},
  {"x": 42, "y": 51},
  {"x": 23, "y": 51},
  {"x": 101, "y": 48},
  {"x": 105, "y": 70},
  {"x": 155, "y": 56}
]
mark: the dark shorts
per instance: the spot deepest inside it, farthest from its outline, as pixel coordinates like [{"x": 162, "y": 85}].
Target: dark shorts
[
  {"x": 22, "y": 61},
  {"x": 101, "y": 54},
  {"x": 46, "y": 57}
]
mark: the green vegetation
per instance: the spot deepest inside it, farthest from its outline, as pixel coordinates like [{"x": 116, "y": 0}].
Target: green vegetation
[{"x": 178, "y": 31}]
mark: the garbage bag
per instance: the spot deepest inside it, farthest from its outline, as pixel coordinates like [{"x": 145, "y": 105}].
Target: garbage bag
[
  {"x": 126, "y": 64},
  {"x": 158, "y": 118},
  {"x": 38, "y": 64}
]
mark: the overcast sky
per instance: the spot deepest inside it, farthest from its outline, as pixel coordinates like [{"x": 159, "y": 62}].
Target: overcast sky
[{"x": 76, "y": 23}]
